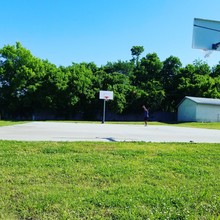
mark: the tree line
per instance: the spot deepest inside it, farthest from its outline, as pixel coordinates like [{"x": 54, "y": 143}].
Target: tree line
[{"x": 30, "y": 85}]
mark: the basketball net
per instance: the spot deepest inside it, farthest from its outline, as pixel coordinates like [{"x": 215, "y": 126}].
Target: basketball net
[
  {"x": 106, "y": 98},
  {"x": 207, "y": 53}
]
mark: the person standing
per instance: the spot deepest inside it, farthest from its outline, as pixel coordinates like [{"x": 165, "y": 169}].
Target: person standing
[{"x": 146, "y": 115}]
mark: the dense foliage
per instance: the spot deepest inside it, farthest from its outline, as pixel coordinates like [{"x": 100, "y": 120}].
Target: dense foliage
[{"x": 29, "y": 85}]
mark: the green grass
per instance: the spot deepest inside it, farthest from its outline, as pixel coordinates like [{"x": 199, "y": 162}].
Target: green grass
[
  {"x": 64, "y": 180},
  {"x": 8, "y": 123},
  {"x": 207, "y": 125}
]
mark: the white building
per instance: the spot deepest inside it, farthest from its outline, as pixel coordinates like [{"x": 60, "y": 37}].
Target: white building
[{"x": 199, "y": 109}]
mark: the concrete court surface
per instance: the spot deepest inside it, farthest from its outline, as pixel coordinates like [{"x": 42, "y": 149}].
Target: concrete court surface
[{"x": 61, "y": 131}]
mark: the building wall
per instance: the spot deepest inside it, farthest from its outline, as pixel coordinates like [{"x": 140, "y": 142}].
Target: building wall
[
  {"x": 208, "y": 113},
  {"x": 187, "y": 111}
]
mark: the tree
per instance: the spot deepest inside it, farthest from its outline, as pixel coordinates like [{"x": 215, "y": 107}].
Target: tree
[
  {"x": 80, "y": 92},
  {"x": 170, "y": 74},
  {"x": 195, "y": 80},
  {"x": 20, "y": 78},
  {"x": 216, "y": 70},
  {"x": 51, "y": 94},
  {"x": 201, "y": 67},
  {"x": 125, "y": 68},
  {"x": 120, "y": 85},
  {"x": 29, "y": 85},
  {"x": 149, "y": 69},
  {"x": 136, "y": 51},
  {"x": 147, "y": 78}
]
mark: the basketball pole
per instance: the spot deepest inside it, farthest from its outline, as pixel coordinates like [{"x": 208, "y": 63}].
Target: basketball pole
[
  {"x": 105, "y": 95},
  {"x": 103, "y": 117}
]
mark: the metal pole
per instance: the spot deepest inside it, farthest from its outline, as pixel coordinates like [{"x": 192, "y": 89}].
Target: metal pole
[{"x": 103, "y": 118}]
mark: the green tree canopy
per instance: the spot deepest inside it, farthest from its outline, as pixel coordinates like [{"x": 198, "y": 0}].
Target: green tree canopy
[
  {"x": 20, "y": 77},
  {"x": 136, "y": 51},
  {"x": 29, "y": 85}
]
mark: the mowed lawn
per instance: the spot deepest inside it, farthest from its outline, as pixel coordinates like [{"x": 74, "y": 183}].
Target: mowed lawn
[
  {"x": 89, "y": 180},
  {"x": 206, "y": 125}
]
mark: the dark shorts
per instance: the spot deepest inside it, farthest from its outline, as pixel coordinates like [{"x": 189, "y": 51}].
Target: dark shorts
[{"x": 146, "y": 118}]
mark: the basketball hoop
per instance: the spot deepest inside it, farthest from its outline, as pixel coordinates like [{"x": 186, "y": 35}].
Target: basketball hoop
[{"x": 106, "y": 97}]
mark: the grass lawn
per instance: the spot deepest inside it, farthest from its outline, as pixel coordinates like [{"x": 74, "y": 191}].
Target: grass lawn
[
  {"x": 207, "y": 125},
  {"x": 7, "y": 123},
  {"x": 89, "y": 180}
]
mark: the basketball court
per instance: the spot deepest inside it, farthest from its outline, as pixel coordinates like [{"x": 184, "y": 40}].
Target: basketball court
[
  {"x": 60, "y": 131},
  {"x": 206, "y": 36}
]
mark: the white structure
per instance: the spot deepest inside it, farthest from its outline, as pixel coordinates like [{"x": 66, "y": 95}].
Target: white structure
[
  {"x": 106, "y": 95},
  {"x": 199, "y": 109},
  {"x": 206, "y": 34}
]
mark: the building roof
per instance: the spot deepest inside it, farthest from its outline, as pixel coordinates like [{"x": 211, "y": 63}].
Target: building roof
[{"x": 200, "y": 100}]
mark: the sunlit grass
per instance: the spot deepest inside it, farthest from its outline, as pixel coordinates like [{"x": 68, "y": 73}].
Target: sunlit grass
[
  {"x": 207, "y": 125},
  {"x": 8, "y": 123},
  {"x": 44, "y": 180}
]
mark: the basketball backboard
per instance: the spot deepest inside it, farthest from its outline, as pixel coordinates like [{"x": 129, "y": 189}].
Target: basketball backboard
[
  {"x": 107, "y": 95},
  {"x": 206, "y": 34}
]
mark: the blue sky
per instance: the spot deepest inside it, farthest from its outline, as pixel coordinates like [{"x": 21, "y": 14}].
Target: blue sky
[{"x": 66, "y": 31}]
